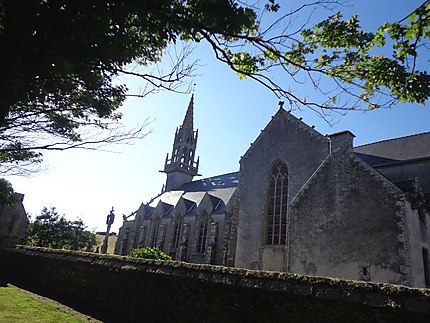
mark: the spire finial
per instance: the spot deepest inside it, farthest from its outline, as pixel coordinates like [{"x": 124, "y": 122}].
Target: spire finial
[{"x": 281, "y": 104}]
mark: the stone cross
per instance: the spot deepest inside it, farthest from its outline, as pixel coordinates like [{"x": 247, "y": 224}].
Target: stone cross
[{"x": 109, "y": 221}]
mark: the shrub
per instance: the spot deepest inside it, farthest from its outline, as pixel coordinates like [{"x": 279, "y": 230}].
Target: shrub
[{"x": 149, "y": 253}]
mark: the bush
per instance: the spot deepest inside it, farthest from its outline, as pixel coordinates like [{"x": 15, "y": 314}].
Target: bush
[{"x": 149, "y": 253}]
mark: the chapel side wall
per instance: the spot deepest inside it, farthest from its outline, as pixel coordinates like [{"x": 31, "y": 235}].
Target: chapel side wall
[
  {"x": 419, "y": 238},
  {"x": 302, "y": 149},
  {"x": 13, "y": 223},
  {"x": 230, "y": 234},
  {"x": 125, "y": 238},
  {"x": 192, "y": 221},
  {"x": 132, "y": 290},
  {"x": 219, "y": 238},
  {"x": 350, "y": 223}
]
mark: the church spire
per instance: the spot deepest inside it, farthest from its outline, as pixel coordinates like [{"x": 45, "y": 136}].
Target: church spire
[
  {"x": 188, "y": 120},
  {"x": 181, "y": 167}
]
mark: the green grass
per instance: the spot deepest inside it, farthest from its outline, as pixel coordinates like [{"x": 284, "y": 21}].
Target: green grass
[{"x": 17, "y": 305}]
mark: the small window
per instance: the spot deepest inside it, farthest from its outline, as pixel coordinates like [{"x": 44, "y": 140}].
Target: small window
[
  {"x": 364, "y": 273},
  {"x": 426, "y": 267},
  {"x": 422, "y": 215}
]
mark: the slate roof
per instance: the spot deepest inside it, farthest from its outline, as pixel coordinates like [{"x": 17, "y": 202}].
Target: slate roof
[
  {"x": 211, "y": 183},
  {"x": 171, "y": 198},
  {"x": 395, "y": 150},
  {"x": 375, "y": 160},
  {"x": 220, "y": 188}
]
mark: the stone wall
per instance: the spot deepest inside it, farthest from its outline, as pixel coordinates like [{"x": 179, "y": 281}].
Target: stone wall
[
  {"x": 159, "y": 291},
  {"x": 349, "y": 223}
]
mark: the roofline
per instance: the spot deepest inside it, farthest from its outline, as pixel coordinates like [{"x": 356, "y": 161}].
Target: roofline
[
  {"x": 399, "y": 162},
  {"x": 391, "y": 139},
  {"x": 200, "y": 180}
]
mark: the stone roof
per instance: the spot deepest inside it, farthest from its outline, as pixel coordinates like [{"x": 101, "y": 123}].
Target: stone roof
[{"x": 395, "y": 150}]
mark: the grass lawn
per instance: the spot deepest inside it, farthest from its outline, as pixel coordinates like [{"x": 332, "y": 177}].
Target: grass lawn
[{"x": 17, "y": 305}]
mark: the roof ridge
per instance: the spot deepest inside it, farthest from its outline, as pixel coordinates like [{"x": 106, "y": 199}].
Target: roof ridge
[
  {"x": 391, "y": 139},
  {"x": 290, "y": 117}
]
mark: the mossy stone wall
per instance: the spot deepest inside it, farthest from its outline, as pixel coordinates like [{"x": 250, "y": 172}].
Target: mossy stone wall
[{"x": 162, "y": 291}]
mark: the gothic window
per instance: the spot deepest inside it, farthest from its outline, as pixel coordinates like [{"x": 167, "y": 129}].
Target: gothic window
[
  {"x": 142, "y": 234},
  {"x": 177, "y": 233},
  {"x": 154, "y": 233},
  {"x": 203, "y": 233},
  {"x": 277, "y": 200}
]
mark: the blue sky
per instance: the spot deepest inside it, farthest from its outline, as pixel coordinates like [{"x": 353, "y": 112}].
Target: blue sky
[{"x": 229, "y": 114}]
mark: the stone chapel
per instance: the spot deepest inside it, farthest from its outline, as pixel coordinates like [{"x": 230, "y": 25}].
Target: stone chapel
[{"x": 301, "y": 203}]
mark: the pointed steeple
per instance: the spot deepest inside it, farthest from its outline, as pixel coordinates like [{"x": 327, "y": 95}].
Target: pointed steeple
[
  {"x": 188, "y": 120},
  {"x": 181, "y": 167}
]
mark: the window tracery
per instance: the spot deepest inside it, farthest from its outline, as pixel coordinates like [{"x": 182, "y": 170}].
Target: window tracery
[
  {"x": 276, "y": 208},
  {"x": 177, "y": 233},
  {"x": 203, "y": 233}
]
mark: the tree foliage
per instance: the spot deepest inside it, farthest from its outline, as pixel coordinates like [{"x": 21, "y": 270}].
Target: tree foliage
[
  {"x": 51, "y": 230},
  {"x": 149, "y": 253},
  {"x": 341, "y": 60},
  {"x": 60, "y": 62},
  {"x": 7, "y": 193}
]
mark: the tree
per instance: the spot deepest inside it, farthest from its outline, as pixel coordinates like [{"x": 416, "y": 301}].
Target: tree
[
  {"x": 7, "y": 193},
  {"x": 62, "y": 60},
  {"x": 51, "y": 230}
]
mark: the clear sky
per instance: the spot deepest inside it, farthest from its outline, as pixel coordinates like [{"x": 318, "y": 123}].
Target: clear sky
[{"x": 229, "y": 114}]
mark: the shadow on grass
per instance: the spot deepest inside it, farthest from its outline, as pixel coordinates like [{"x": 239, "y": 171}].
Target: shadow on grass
[{"x": 75, "y": 305}]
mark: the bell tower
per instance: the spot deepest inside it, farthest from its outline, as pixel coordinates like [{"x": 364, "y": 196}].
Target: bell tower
[{"x": 181, "y": 167}]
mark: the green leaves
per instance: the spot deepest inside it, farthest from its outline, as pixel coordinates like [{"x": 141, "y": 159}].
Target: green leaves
[
  {"x": 149, "y": 253},
  {"x": 53, "y": 231},
  {"x": 342, "y": 50},
  {"x": 7, "y": 194},
  {"x": 246, "y": 64}
]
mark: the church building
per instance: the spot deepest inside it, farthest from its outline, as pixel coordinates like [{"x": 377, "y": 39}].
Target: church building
[{"x": 301, "y": 203}]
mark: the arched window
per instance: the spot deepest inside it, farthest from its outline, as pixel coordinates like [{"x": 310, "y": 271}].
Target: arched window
[
  {"x": 203, "y": 234},
  {"x": 155, "y": 225},
  {"x": 177, "y": 232},
  {"x": 277, "y": 200}
]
